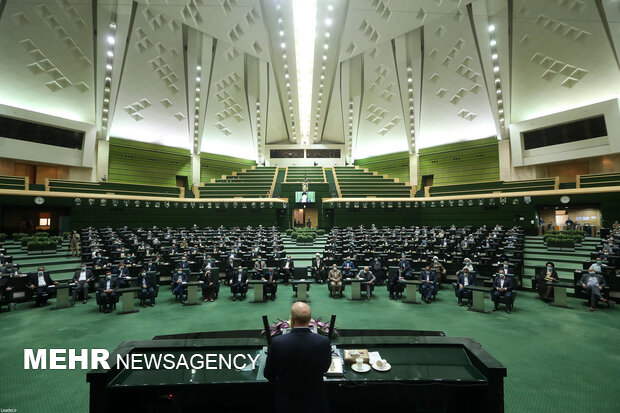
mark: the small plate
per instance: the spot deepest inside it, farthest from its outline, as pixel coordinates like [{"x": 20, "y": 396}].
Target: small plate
[
  {"x": 386, "y": 367},
  {"x": 365, "y": 368}
]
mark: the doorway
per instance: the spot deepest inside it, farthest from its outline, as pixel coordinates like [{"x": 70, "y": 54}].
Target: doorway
[
  {"x": 181, "y": 181},
  {"x": 302, "y": 215},
  {"x": 584, "y": 218},
  {"x": 427, "y": 180}
]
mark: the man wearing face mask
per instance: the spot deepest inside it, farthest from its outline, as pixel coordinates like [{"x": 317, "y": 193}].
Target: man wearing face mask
[
  {"x": 272, "y": 284},
  {"x": 287, "y": 266},
  {"x": 260, "y": 266},
  {"x": 5, "y": 288},
  {"x": 502, "y": 287},
  {"x": 598, "y": 266},
  {"x": 107, "y": 291},
  {"x": 593, "y": 284},
  {"x": 147, "y": 285},
  {"x": 318, "y": 268},
  {"x": 238, "y": 282},
  {"x": 548, "y": 274},
  {"x": 429, "y": 283},
  {"x": 81, "y": 278},
  {"x": 440, "y": 270},
  {"x": 179, "y": 278},
  {"x": 369, "y": 280},
  {"x": 335, "y": 281},
  {"x": 463, "y": 281},
  {"x": 183, "y": 264},
  {"x": 41, "y": 282}
]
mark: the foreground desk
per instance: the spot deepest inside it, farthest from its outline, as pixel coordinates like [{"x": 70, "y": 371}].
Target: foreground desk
[
  {"x": 429, "y": 373},
  {"x": 411, "y": 289},
  {"x": 301, "y": 288},
  {"x": 356, "y": 288},
  {"x": 478, "y": 297},
  {"x": 559, "y": 293},
  {"x": 259, "y": 289},
  {"x": 62, "y": 296},
  {"x": 127, "y": 299}
]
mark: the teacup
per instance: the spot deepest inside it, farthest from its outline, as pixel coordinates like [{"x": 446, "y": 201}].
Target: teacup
[{"x": 359, "y": 363}]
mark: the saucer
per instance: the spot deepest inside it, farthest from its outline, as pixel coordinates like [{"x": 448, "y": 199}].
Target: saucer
[
  {"x": 365, "y": 368},
  {"x": 386, "y": 367}
]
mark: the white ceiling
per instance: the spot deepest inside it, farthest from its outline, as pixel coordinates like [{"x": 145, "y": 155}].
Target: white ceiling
[{"x": 562, "y": 55}]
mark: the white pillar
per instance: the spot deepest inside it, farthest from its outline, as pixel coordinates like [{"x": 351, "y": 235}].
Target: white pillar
[
  {"x": 103, "y": 159},
  {"x": 196, "y": 169},
  {"x": 505, "y": 162},
  {"x": 413, "y": 170}
]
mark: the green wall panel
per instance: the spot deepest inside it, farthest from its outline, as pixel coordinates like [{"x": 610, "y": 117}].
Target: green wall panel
[
  {"x": 144, "y": 163},
  {"x": 394, "y": 165},
  {"x": 214, "y": 166},
  {"x": 460, "y": 163}
]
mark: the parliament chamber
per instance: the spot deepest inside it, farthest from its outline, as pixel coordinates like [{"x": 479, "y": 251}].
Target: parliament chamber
[{"x": 309, "y": 205}]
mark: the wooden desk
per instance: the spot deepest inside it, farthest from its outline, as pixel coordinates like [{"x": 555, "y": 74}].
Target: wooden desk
[
  {"x": 478, "y": 297},
  {"x": 559, "y": 293},
  {"x": 411, "y": 287}
]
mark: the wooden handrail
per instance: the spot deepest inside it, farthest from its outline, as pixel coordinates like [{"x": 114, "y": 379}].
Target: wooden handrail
[
  {"x": 273, "y": 183},
  {"x": 336, "y": 181}
]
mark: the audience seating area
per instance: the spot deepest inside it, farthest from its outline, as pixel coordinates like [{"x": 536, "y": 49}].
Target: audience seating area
[
  {"x": 313, "y": 174},
  {"x": 14, "y": 182},
  {"x": 249, "y": 183},
  {"x": 353, "y": 182},
  {"x": 597, "y": 180},
  {"x": 542, "y": 184},
  {"x": 62, "y": 185}
]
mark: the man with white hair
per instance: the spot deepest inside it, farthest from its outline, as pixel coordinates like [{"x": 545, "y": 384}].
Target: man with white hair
[
  {"x": 368, "y": 278},
  {"x": 296, "y": 363},
  {"x": 318, "y": 269}
]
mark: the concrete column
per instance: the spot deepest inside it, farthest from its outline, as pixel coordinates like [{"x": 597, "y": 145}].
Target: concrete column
[
  {"x": 103, "y": 159},
  {"x": 195, "y": 169},
  {"x": 413, "y": 169},
  {"x": 505, "y": 161}
]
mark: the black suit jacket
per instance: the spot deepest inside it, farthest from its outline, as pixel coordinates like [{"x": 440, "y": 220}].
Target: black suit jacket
[
  {"x": 507, "y": 283},
  {"x": 33, "y": 279},
  {"x": 103, "y": 284},
  {"x": 89, "y": 274},
  {"x": 296, "y": 363}
]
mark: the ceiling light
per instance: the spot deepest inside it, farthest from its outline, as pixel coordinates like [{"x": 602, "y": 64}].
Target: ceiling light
[
  {"x": 325, "y": 47},
  {"x": 491, "y": 28},
  {"x": 304, "y": 16},
  {"x": 496, "y": 80},
  {"x": 197, "y": 99},
  {"x": 322, "y": 77},
  {"x": 499, "y": 101},
  {"x": 280, "y": 20},
  {"x": 496, "y": 69},
  {"x": 110, "y": 39},
  {"x": 113, "y": 25},
  {"x": 494, "y": 56},
  {"x": 327, "y": 35},
  {"x": 284, "y": 56},
  {"x": 108, "y": 66},
  {"x": 110, "y": 53},
  {"x": 493, "y": 42},
  {"x": 281, "y": 33},
  {"x": 501, "y": 111},
  {"x": 328, "y": 21},
  {"x": 324, "y": 57},
  {"x": 283, "y": 45},
  {"x": 288, "y": 84},
  {"x": 330, "y": 7},
  {"x": 197, "y": 78},
  {"x": 410, "y": 80},
  {"x": 499, "y": 91}
]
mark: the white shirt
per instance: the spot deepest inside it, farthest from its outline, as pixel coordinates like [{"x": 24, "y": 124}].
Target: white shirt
[
  {"x": 82, "y": 275},
  {"x": 239, "y": 276},
  {"x": 286, "y": 265},
  {"x": 107, "y": 285},
  {"x": 501, "y": 283},
  {"x": 465, "y": 281},
  {"x": 42, "y": 282}
]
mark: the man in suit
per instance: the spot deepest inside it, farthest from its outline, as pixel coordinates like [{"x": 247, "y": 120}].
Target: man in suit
[
  {"x": 41, "y": 282},
  {"x": 318, "y": 268},
  {"x": 179, "y": 277},
  {"x": 440, "y": 270},
  {"x": 502, "y": 287},
  {"x": 286, "y": 267},
  {"x": 369, "y": 279},
  {"x": 147, "y": 285},
  {"x": 429, "y": 283},
  {"x": 210, "y": 284},
  {"x": 238, "y": 282},
  {"x": 5, "y": 287},
  {"x": 107, "y": 291},
  {"x": 81, "y": 278},
  {"x": 259, "y": 266},
  {"x": 122, "y": 273},
  {"x": 272, "y": 284},
  {"x": 296, "y": 363},
  {"x": 404, "y": 267},
  {"x": 465, "y": 279},
  {"x": 100, "y": 262},
  {"x": 150, "y": 266},
  {"x": 394, "y": 285},
  {"x": 593, "y": 283},
  {"x": 347, "y": 268},
  {"x": 335, "y": 281},
  {"x": 208, "y": 263},
  {"x": 183, "y": 264}
]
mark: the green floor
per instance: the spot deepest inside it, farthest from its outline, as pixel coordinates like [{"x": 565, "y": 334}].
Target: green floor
[{"x": 558, "y": 360}]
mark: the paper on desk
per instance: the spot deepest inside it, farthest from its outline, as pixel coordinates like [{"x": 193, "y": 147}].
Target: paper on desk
[{"x": 373, "y": 357}]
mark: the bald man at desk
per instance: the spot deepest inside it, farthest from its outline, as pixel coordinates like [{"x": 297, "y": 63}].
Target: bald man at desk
[{"x": 296, "y": 363}]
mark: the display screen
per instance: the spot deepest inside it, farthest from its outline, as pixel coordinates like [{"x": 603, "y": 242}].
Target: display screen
[{"x": 302, "y": 197}]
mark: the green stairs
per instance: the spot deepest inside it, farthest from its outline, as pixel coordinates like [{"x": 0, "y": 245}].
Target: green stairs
[
  {"x": 304, "y": 253},
  {"x": 60, "y": 264}
]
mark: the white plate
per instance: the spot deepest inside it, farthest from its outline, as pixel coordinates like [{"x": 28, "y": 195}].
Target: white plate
[
  {"x": 365, "y": 368},
  {"x": 386, "y": 367}
]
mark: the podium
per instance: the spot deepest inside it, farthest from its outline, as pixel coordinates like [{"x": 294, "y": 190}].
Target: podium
[
  {"x": 192, "y": 292},
  {"x": 478, "y": 297},
  {"x": 259, "y": 290},
  {"x": 559, "y": 293},
  {"x": 302, "y": 287},
  {"x": 62, "y": 296},
  {"x": 127, "y": 300},
  {"x": 356, "y": 288},
  {"x": 410, "y": 293}
]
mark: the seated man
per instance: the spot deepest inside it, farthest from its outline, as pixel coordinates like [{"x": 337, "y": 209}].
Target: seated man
[
  {"x": 238, "y": 282},
  {"x": 598, "y": 266},
  {"x": 100, "y": 262},
  {"x": 5, "y": 287},
  {"x": 378, "y": 269},
  {"x": 286, "y": 267},
  {"x": 107, "y": 291},
  {"x": 394, "y": 285},
  {"x": 593, "y": 284},
  {"x": 150, "y": 266},
  {"x": 318, "y": 268},
  {"x": 81, "y": 278},
  {"x": 147, "y": 285},
  {"x": 335, "y": 281},
  {"x": 271, "y": 287},
  {"x": 467, "y": 264},
  {"x": 129, "y": 259},
  {"x": 506, "y": 267},
  {"x": 208, "y": 263},
  {"x": 440, "y": 270},
  {"x": 179, "y": 277},
  {"x": 210, "y": 284},
  {"x": 260, "y": 266},
  {"x": 502, "y": 287},
  {"x": 404, "y": 267},
  {"x": 465, "y": 279},
  {"x": 347, "y": 268},
  {"x": 429, "y": 283},
  {"x": 368, "y": 278},
  {"x": 183, "y": 264},
  {"x": 122, "y": 274},
  {"x": 41, "y": 282}
]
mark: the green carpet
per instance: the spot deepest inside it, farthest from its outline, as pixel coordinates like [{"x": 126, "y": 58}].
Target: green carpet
[{"x": 558, "y": 360}]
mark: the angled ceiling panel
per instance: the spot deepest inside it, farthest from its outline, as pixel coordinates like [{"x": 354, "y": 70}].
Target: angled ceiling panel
[
  {"x": 455, "y": 103},
  {"x": 334, "y": 125},
  {"x": 562, "y": 58},
  {"x": 47, "y": 58},
  {"x": 151, "y": 105},
  {"x": 276, "y": 129}
]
